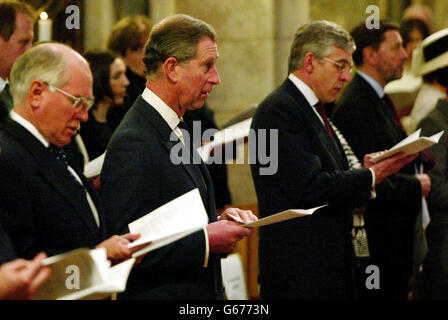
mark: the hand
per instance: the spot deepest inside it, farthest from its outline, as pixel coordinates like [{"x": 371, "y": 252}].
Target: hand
[
  {"x": 239, "y": 215},
  {"x": 425, "y": 182},
  {"x": 20, "y": 279},
  {"x": 388, "y": 166},
  {"x": 224, "y": 234},
  {"x": 117, "y": 247}
]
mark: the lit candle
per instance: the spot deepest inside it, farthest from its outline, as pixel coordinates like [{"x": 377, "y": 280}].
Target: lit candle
[{"x": 45, "y": 27}]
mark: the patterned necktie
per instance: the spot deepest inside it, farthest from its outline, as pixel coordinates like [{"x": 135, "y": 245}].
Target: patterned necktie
[
  {"x": 194, "y": 155},
  {"x": 59, "y": 154},
  {"x": 62, "y": 159},
  {"x": 321, "y": 110}
]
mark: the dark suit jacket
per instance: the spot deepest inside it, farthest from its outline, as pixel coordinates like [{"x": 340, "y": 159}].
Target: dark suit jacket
[
  {"x": 432, "y": 283},
  {"x": 138, "y": 176},
  {"x": 7, "y": 252},
  {"x": 4, "y": 114},
  {"x": 368, "y": 127},
  {"x": 309, "y": 257},
  {"x": 42, "y": 207}
]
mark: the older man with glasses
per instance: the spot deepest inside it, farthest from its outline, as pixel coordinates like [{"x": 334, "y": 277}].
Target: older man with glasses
[
  {"x": 312, "y": 257},
  {"x": 46, "y": 204}
]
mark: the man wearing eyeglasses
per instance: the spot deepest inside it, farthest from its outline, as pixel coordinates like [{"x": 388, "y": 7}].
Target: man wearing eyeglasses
[
  {"x": 46, "y": 204},
  {"x": 311, "y": 257},
  {"x": 368, "y": 119}
]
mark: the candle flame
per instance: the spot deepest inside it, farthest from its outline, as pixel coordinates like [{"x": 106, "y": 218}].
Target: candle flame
[{"x": 44, "y": 15}]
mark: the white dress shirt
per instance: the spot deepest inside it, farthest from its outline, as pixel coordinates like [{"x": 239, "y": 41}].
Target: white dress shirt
[
  {"x": 312, "y": 99},
  {"x": 33, "y": 130},
  {"x": 172, "y": 119}
]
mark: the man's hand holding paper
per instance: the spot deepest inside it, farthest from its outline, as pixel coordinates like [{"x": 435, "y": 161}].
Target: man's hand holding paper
[{"x": 388, "y": 166}]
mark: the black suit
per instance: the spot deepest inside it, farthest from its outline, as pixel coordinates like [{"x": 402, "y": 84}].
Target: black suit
[
  {"x": 309, "y": 257},
  {"x": 432, "y": 282},
  {"x": 42, "y": 207},
  {"x": 7, "y": 252},
  {"x": 138, "y": 177},
  {"x": 4, "y": 114},
  {"x": 368, "y": 126}
]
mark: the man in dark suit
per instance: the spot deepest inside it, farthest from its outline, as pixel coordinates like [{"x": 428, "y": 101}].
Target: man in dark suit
[
  {"x": 367, "y": 118},
  {"x": 311, "y": 257},
  {"x": 141, "y": 171},
  {"x": 45, "y": 203},
  {"x": 16, "y": 36},
  {"x": 7, "y": 252}
]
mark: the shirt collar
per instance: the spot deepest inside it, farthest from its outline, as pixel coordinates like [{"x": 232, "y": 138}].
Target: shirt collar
[
  {"x": 161, "y": 107},
  {"x": 375, "y": 84},
  {"x": 29, "y": 127},
  {"x": 307, "y": 92}
]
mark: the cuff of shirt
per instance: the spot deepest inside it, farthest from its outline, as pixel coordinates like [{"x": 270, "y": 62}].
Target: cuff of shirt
[
  {"x": 207, "y": 249},
  {"x": 372, "y": 192}
]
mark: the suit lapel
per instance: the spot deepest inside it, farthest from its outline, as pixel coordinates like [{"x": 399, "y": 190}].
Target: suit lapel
[
  {"x": 170, "y": 141},
  {"x": 390, "y": 128},
  {"x": 331, "y": 147},
  {"x": 56, "y": 176}
]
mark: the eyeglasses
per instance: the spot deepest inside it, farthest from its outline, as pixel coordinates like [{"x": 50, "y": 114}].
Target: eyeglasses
[
  {"x": 342, "y": 66},
  {"x": 78, "y": 102}
]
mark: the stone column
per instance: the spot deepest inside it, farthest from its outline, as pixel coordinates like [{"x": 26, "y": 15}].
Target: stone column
[{"x": 98, "y": 21}]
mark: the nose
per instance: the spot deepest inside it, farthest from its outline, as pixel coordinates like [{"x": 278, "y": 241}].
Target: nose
[
  {"x": 346, "y": 75},
  {"x": 82, "y": 114},
  {"x": 404, "y": 53},
  {"x": 125, "y": 81},
  {"x": 214, "y": 78}
]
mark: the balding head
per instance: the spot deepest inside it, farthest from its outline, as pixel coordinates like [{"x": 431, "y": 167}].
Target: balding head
[
  {"x": 44, "y": 82},
  {"x": 49, "y": 62}
]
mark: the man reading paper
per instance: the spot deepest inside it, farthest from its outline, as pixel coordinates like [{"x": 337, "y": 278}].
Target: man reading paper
[
  {"x": 46, "y": 204},
  {"x": 141, "y": 171},
  {"x": 312, "y": 257}
]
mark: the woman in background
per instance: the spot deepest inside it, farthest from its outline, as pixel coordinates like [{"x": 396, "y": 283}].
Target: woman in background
[{"x": 109, "y": 88}]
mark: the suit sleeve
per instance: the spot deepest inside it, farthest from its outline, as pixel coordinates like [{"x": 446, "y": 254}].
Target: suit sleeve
[
  {"x": 302, "y": 175},
  {"x": 131, "y": 185},
  {"x": 439, "y": 172},
  {"x": 401, "y": 190}
]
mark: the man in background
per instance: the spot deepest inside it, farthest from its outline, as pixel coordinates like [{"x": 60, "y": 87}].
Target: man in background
[
  {"x": 140, "y": 175},
  {"x": 312, "y": 257},
  {"x": 16, "y": 36},
  {"x": 367, "y": 118}
]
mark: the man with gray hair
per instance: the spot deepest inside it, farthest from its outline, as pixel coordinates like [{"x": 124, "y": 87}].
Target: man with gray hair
[
  {"x": 140, "y": 172},
  {"x": 311, "y": 257},
  {"x": 16, "y": 36},
  {"x": 46, "y": 204}
]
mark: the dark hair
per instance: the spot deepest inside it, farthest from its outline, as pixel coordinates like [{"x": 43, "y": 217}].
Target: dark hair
[
  {"x": 128, "y": 34},
  {"x": 176, "y": 36},
  {"x": 408, "y": 25},
  {"x": 8, "y": 13},
  {"x": 439, "y": 75},
  {"x": 100, "y": 61},
  {"x": 369, "y": 37}
]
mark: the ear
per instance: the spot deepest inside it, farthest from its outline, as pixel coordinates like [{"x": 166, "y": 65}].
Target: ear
[
  {"x": 171, "y": 67},
  {"x": 36, "y": 93},
  {"x": 308, "y": 62},
  {"x": 370, "y": 55}
]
